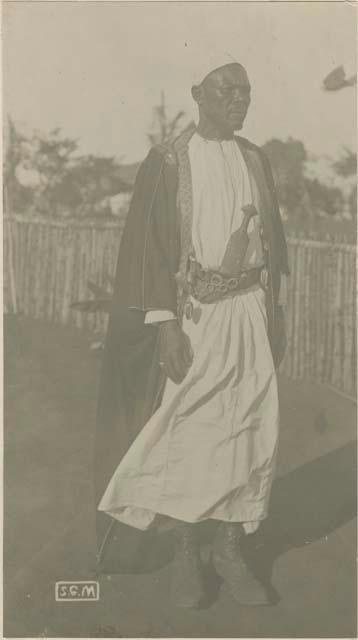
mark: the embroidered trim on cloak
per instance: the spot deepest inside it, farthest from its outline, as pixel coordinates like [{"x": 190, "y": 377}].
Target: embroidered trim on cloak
[{"x": 185, "y": 207}]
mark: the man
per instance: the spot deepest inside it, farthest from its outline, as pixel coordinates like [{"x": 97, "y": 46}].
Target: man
[{"x": 188, "y": 411}]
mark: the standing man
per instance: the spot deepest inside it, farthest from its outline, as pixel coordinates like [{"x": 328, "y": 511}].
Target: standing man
[{"x": 188, "y": 414}]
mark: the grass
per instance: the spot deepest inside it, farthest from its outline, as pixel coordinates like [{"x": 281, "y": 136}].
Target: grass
[{"x": 50, "y": 399}]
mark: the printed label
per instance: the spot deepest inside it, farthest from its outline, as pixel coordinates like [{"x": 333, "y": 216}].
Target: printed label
[{"x": 80, "y": 590}]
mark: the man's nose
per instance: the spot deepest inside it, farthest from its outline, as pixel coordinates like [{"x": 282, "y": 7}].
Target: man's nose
[{"x": 238, "y": 95}]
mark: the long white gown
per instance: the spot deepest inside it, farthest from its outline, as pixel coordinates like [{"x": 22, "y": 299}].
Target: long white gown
[{"x": 209, "y": 451}]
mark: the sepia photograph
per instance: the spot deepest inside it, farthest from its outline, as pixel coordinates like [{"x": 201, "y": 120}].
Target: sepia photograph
[{"x": 179, "y": 319}]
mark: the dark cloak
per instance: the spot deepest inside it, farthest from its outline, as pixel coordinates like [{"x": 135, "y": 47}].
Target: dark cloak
[{"x": 131, "y": 382}]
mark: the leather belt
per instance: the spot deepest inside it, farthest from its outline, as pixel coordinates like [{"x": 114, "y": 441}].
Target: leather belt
[{"x": 209, "y": 286}]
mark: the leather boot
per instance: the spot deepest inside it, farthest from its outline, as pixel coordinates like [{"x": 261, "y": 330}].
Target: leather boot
[
  {"x": 231, "y": 566},
  {"x": 187, "y": 585}
]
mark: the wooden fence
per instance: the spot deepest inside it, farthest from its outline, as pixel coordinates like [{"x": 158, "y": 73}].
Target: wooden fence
[{"x": 48, "y": 263}]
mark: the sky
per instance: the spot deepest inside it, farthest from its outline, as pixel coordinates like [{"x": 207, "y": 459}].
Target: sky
[{"x": 96, "y": 69}]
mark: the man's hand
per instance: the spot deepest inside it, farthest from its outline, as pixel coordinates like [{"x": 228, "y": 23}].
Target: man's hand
[
  {"x": 175, "y": 352},
  {"x": 280, "y": 337}
]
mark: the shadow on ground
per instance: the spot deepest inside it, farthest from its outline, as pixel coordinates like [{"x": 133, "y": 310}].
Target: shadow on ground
[
  {"x": 307, "y": 505},
  {"x": 49, "y": 529}
]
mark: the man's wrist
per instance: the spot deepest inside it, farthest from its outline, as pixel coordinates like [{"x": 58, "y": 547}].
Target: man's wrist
[{"x": 157, "y": 316}]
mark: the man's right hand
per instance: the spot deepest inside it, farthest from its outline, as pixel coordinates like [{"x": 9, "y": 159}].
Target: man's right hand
[{"x": 175, "y": 352}]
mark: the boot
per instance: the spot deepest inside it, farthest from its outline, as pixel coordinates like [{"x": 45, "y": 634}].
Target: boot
[
  {"x": 187, "y": 586},
  {"x": 231, "y": 566}
]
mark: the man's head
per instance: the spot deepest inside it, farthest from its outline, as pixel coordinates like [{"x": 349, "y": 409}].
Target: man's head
[{"x": 223, "y": 97}]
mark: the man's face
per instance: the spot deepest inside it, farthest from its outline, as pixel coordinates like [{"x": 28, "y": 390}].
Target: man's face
[{"x": 225, "y": 96}]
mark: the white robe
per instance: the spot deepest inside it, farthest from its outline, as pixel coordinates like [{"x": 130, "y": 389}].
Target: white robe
[{"x": 209, "y": 451}]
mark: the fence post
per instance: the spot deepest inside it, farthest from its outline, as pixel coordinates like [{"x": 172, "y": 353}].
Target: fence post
[{"x": 53, "y": 260}]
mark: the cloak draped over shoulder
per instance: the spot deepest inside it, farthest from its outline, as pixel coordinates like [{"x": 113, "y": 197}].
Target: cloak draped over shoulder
[{"x": 151, "y": 261}]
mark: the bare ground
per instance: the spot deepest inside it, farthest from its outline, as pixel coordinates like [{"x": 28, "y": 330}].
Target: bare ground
[{"x": 307, "y": 548}]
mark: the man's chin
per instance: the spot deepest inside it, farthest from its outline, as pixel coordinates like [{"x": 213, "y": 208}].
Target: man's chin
[
  {"x": 237, "y": 124},
  {"x": 237, "y": 127}
]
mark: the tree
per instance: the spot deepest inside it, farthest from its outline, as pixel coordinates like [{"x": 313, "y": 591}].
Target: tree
[
  {"x": 43, "y": 174},
  {"x": 164, "y": 129},
  {"x": 16, "y": 195},
  {"x": 288, "y": 161},
  {"x": 52, "y": 156},
  {"x": 326, "y": 199},
  {"x": 93, "y": 180},
  {"x": 347, "y": 165},
  {"x": 353, "y": 203}
]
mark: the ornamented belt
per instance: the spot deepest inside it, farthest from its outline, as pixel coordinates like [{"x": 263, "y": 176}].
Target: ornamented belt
[{"x": 208, "y": 286}]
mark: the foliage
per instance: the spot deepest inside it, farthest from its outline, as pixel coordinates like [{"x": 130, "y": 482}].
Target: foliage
[
  {"x": 42, "y": 173},
  {"x": 353, "y": 202},
  {"x": 324, "y": 198},
  {"x": 310, "y": 187},
  {"x": 164, "y": 128},
  {"x": 16, "y": 195},
  {"x": 347, "y": 165},
  {"x": 287, "y": 160}
]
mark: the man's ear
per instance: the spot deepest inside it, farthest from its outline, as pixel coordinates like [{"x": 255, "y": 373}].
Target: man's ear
[{"x": 197, "y": 93}]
